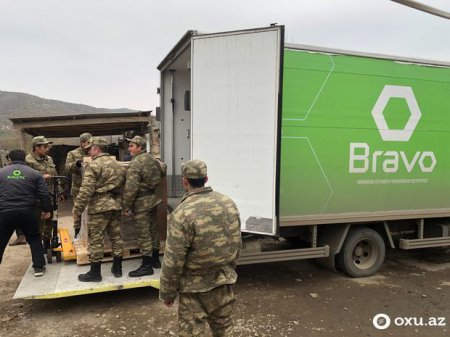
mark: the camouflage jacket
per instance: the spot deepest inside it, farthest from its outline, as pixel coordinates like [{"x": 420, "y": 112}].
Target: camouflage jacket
[
  {"x": 73, "y": 170},
  {"x": 202, "y": 246},
  {"x": 101, "y": 186},
  {"x": 143, "y": 175},
  {"x": 44, "y": 165}
]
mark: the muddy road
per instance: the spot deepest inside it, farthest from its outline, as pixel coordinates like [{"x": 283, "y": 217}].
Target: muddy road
[{"x": 277, "y": 299}]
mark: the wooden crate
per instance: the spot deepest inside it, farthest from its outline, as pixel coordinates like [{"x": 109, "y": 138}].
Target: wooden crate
[{"x": 83, "y": 254}]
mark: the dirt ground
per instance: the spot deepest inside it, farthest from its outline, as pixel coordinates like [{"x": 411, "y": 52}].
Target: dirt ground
[{"x": 294, "y": 299}]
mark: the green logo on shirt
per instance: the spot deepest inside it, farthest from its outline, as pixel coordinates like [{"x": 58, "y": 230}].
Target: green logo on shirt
[{"x": 16, "y": 174}]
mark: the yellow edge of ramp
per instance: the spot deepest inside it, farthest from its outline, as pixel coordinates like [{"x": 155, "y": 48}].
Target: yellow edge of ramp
[{"x": 106, "y": 288}]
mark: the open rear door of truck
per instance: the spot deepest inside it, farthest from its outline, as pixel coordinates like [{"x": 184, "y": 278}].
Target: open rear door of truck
[{"x": 235, "y": 94}]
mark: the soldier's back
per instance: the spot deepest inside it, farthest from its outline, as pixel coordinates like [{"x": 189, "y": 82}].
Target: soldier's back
[
  {"x": 110, "y": 173},
  {"x": 148, "y": 169},
  {"x": 105, "y": 176},
  {"x": 214, "y": 218}
]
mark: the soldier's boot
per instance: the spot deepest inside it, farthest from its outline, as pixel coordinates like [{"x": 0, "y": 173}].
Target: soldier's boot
[
  {"x": 77, "y": 231},
  {"x": 155, "y": 259},
  {"x": 20, "y": 240},
  {"x": 92, "y": 275},
  {"x": 116, "y": 268},
  {"x": 144, "y": 269}
]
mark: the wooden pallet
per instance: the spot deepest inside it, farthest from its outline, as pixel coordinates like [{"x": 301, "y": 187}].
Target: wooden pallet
[{"x": 128, "y": 253}]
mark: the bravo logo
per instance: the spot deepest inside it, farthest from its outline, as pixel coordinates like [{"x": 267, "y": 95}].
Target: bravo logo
[{"x": 362, "y": 160}]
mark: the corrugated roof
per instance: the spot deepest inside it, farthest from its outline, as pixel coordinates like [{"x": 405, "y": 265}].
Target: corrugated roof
[{"x": 74, "y": 125}]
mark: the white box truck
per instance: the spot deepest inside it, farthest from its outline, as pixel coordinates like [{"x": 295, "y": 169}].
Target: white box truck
[{"x": 346, "y": 151}]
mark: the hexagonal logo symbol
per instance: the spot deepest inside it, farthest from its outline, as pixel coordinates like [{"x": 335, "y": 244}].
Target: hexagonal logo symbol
[{"x": 396, "y": 135}]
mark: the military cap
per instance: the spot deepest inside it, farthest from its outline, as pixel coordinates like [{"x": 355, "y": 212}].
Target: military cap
[
  {"x": 139, "y": 141},
  {"x": 84, "y": 137},
  {"x": 96, "y": 141},
  {"x": 194, "y": 169},
  {"x": 40, "y": 140}
]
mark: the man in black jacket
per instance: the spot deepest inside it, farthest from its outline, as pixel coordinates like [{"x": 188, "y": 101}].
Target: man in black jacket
[{"x": 20, "y": 186}]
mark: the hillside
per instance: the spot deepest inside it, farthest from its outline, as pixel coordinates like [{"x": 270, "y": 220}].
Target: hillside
[{"x": 16, "y": 104}]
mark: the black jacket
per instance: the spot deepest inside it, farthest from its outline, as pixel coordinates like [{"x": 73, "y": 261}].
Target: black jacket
[{"x": 20, "y": 186}]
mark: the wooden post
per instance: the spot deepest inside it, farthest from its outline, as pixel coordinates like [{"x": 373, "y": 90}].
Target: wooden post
[{"x": 23, "y": 140}]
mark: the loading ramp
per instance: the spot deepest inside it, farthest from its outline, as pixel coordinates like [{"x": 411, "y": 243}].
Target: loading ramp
[{"x": 61, "y": 280}]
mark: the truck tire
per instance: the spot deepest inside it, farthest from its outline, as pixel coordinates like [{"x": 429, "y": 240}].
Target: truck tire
[{"x": 362, "y": 253}]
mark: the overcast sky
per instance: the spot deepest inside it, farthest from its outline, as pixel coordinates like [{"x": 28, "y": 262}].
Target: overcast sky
[{"x": 105, "y": 52}]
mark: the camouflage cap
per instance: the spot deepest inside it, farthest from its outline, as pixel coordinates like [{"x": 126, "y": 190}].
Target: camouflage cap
[
  {"x": 84, "y": 137},
  {"x": 40, "y": 140},
  {"x": 96, "y": 141},
  {"x": 194, "y": 169},
  {"x": 139, "y": 141}
]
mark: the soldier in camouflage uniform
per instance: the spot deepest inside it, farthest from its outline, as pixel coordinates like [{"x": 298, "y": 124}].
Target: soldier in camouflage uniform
[
  {"x": 73, "y": 167},
  {"x": 39, "y": 160},
  {"x": 140, "y": 200},
  {"x": 100, "y": 191},
  {"x": 202, "y": 247}
]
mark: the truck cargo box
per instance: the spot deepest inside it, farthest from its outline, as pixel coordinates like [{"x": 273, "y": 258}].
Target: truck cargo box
[{"x": 300, "y": 135}]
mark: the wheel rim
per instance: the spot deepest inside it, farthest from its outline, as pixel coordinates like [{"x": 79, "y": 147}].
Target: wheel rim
[{"x": 365, "y": 254}]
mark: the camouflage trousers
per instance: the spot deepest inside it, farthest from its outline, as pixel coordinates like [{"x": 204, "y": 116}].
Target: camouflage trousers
[
  {"x": 45, "y": 225},
  {"x": 147, "y": 231},
  {"x": 77, "y": 223},
  {"x": 100, "y": 224},
  {"x": 213, "y": 307}
]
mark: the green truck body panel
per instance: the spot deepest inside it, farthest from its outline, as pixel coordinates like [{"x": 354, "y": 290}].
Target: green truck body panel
[{"x": 361, "y": 134}]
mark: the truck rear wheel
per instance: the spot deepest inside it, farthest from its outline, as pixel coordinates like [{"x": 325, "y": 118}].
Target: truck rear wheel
[{"x": 362, "y": 253}]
